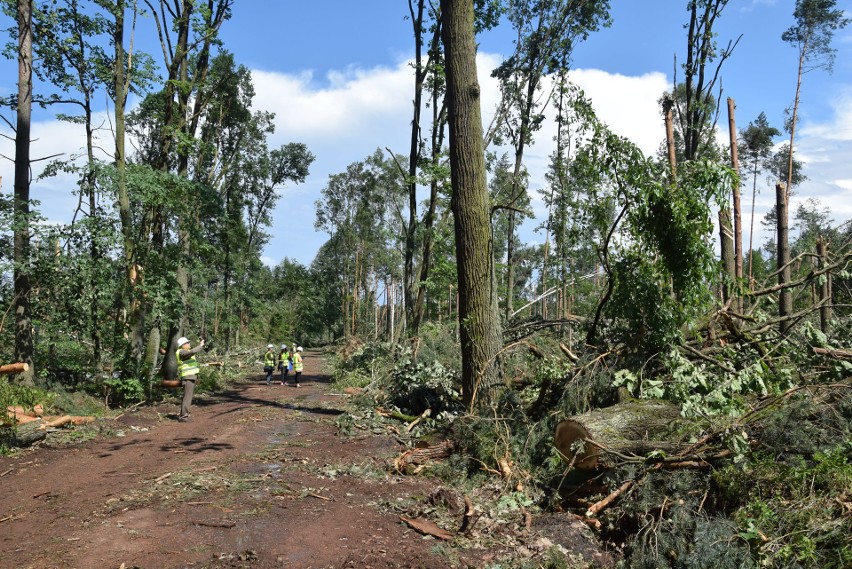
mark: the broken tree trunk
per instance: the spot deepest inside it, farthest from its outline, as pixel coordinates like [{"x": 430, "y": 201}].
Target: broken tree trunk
[
  {"x": 603, "y": 437},
  {"x": 26, "y": 434},
  {"x": 839, "y": 354},
  {"x": 424, "y": 454}
]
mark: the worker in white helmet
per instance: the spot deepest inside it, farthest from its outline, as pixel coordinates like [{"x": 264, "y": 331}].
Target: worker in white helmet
[
  {"x": 187, "y": 372},
  {"x": 269, "y": 363},
  {"x": 297, "y": 366},
  {"x": 285, "y": 362}
]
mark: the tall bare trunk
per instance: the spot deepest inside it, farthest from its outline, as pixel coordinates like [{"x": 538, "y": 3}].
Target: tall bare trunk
[
  {"x": 670, "y": 141},
  {"x": 726, "y": 239},
  {"x": 479, "y": 321},
  {"x": 785, "y": 297},
  {"x": 824, "y": 287},
  {"x": 735, "y": 164},
  {"x": 24, "y": 348},
  {"x": 751, "y": 231},
  {"x": 413, "y": 160}
]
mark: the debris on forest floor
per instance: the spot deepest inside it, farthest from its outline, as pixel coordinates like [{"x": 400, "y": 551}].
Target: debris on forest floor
[
  {"x": 27, "y": 426},
  {"x": 426, "y": 527}
]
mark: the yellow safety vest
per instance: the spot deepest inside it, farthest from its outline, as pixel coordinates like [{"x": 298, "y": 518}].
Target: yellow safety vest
[
  {"x": 297, "y": 362},
  {"x": 269, "y": 359},
  {"x": 187, "y": 367}
]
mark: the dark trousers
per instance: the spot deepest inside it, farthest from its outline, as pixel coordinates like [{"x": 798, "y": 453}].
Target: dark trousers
[{"x": 188, "y": 390}]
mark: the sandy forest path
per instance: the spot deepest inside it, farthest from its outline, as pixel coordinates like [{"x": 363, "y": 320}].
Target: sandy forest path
[{"x": 258, "y": 478}]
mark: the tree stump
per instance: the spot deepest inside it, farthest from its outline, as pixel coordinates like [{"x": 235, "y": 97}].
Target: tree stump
[{"x": 634, "y": 427}]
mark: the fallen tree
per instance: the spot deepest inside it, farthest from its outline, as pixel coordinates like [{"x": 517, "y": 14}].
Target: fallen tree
[{"x": 602, "y": 437}]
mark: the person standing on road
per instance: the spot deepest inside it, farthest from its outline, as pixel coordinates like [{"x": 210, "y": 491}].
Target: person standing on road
[
  {"x": 297, "y": 365},
  {"x": 269, "y": 363},
  {"x": 187, "y": 372},
  {"x": 285, "y": 362}
]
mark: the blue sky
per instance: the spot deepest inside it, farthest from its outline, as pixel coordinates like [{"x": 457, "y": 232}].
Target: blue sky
[{"x": 336, "y": 75}]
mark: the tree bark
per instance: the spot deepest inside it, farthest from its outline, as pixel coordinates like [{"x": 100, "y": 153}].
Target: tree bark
[
  {"x": 27, "y": 434},
  {"x": 670, "y": 141},
  {"x": 23, "y": 317},
  {"x": 480, "y": 329},
  {"x": 785, "y": 296},
  {"x": 631, "y": 428},
  {"x": 726, "y": 240},
  {"x": 824, "y": 286},
  {"x": 735, "y": 164}
]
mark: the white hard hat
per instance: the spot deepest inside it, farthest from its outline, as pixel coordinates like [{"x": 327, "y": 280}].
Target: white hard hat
[
  {"x": 283, "y": 346},
  {"x": 270, "y": 346},
  {"x": 182, "y": 340},
  {"x": 299, "y": 349}
]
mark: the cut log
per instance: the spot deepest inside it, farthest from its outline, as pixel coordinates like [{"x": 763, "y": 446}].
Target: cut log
[
  {"x": 56, "y": 421},
  {"x": 21, "y": 419},
  {"x": 422, "y": 455},
  {"x": 170, "y": 383},
  {"x": 14, "y": 368},
  {"x": 78, "y": 420},
  {"x": 36, "y": 411},
  {"x": 633, "y": 428}
]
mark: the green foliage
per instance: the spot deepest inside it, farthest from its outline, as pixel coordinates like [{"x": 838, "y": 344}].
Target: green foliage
[
  {"x": 828, "y": 369},
  {"x": 794, "y": 512},
  {"x": 437, "y": 342},
  {"x": 812, "y": 34},
  {"x": 653, "y": 237},
  {"x": 71, "y": 402},
  {"x": 372, "y": 361},
  {"x": 417, "y": 386},
  {"x": 121, "y": 390},
  {"x": 25, "y": 396}
]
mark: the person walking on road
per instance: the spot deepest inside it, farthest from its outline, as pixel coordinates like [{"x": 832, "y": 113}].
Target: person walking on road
[
  {"x": 187, "y": 372},
  {"x": 297, "y": 366},
  {"x": 269, "y": 363}
]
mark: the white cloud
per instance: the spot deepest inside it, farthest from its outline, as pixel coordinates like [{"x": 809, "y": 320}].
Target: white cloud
[
  {"x": 358, "y": 110},
  {"x": 825, "y": 148},
  {"x": 839, "y": 127},
  {"x": 628, "y": 105},
  {"x": 352, "y": 101}
]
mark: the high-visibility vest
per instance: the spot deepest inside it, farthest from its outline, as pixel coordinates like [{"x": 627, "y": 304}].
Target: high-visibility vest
[
  {"x": 284, "y": 357},
  {"x": 297, "y": 362},
  {"x": 187, "y": 367},
  {"x": 269, "y": 359}
]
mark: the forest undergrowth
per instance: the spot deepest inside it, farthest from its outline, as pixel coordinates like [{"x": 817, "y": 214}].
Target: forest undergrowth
[{"x": 758, "y": 471}]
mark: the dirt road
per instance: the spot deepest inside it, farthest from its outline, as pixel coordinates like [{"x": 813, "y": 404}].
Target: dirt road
[{"x": 258, "y": 478}]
